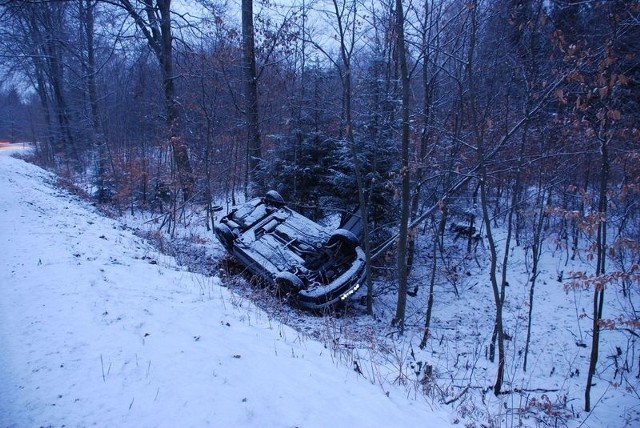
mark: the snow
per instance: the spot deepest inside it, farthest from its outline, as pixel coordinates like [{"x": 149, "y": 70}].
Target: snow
[{"x": 98, "y": 328}]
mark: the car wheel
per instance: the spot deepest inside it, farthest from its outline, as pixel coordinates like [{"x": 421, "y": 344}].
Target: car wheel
[
  {"x": 287, "y": 283},
  {"x": 273, "y": 198},
  {"x": 225, "y": 235},
  {"x": 345, "y": 238}
]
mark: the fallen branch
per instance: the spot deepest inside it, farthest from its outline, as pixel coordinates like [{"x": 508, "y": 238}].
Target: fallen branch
[
  {"x": 521, "y": 390},
  {"x": 457, "y": 397}
]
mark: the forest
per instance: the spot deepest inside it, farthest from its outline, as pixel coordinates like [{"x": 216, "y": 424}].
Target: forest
[{"x": 497, "y": 124}]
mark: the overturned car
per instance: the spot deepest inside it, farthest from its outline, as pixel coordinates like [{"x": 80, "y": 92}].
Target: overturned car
[{"x": 315, "y": 268}]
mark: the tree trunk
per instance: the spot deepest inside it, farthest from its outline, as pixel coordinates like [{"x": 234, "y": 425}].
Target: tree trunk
[
  {"x": 437, "y": 240},
  {"x": 498, "y": 327},
  {"x": 429, "y": 90},
  {"x": 536, "y": 249},
  {"x": 254, "y": 144},
  {"x": 601, "y": 248},
  {"x": 405, "y": 190},
  {"x": 179, "y": 149},
  {"x": 87, "y": 9}
]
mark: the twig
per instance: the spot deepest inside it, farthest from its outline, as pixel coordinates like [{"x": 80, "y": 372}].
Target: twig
[
  {"x": 102, "y": 366},
  {"x": 520, "y": 390},
  {"x": 456, "y": 398}
]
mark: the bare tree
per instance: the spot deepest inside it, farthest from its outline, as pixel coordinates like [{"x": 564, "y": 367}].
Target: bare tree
[
  {"x": 36, "y": 42},
  {"x": 86, "y": 15},
  {"x": 601, "y": 99},
  {"x": 405, "y": 193},
  {"x": 153, "y": 19},
  {"x": 251, "y": 95}
]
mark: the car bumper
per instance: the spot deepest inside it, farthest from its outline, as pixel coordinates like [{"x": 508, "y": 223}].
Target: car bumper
[{"x": 339, "y": 290}]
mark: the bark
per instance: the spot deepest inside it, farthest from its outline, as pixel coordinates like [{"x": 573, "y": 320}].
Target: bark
[
  {"x": 498, "y": 326},
  {"x": 601, "y": 248},
  {"x": 405, "y": 195},
  {"x": 254, "y": 144}
]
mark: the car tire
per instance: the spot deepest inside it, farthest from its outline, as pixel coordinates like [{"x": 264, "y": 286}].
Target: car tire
[
  {"x": 344, "y": 237},
  {"x": 273, "y": 198},
  {"x": 287, "y": 283},
  {"x": 225, "y": 235}
]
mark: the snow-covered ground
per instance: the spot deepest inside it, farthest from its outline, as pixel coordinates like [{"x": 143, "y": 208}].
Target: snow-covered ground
[{"x": 99, "y": 329}]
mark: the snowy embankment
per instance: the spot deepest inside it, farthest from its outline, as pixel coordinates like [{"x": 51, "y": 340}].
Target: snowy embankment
[{"x": 97, "y": 328}]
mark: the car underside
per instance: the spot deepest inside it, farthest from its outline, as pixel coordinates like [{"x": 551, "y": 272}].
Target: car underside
[{"x": 311, "y": 265}]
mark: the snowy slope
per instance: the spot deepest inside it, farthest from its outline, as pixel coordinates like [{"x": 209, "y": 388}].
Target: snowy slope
[{"x": 97, "y": 328}]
